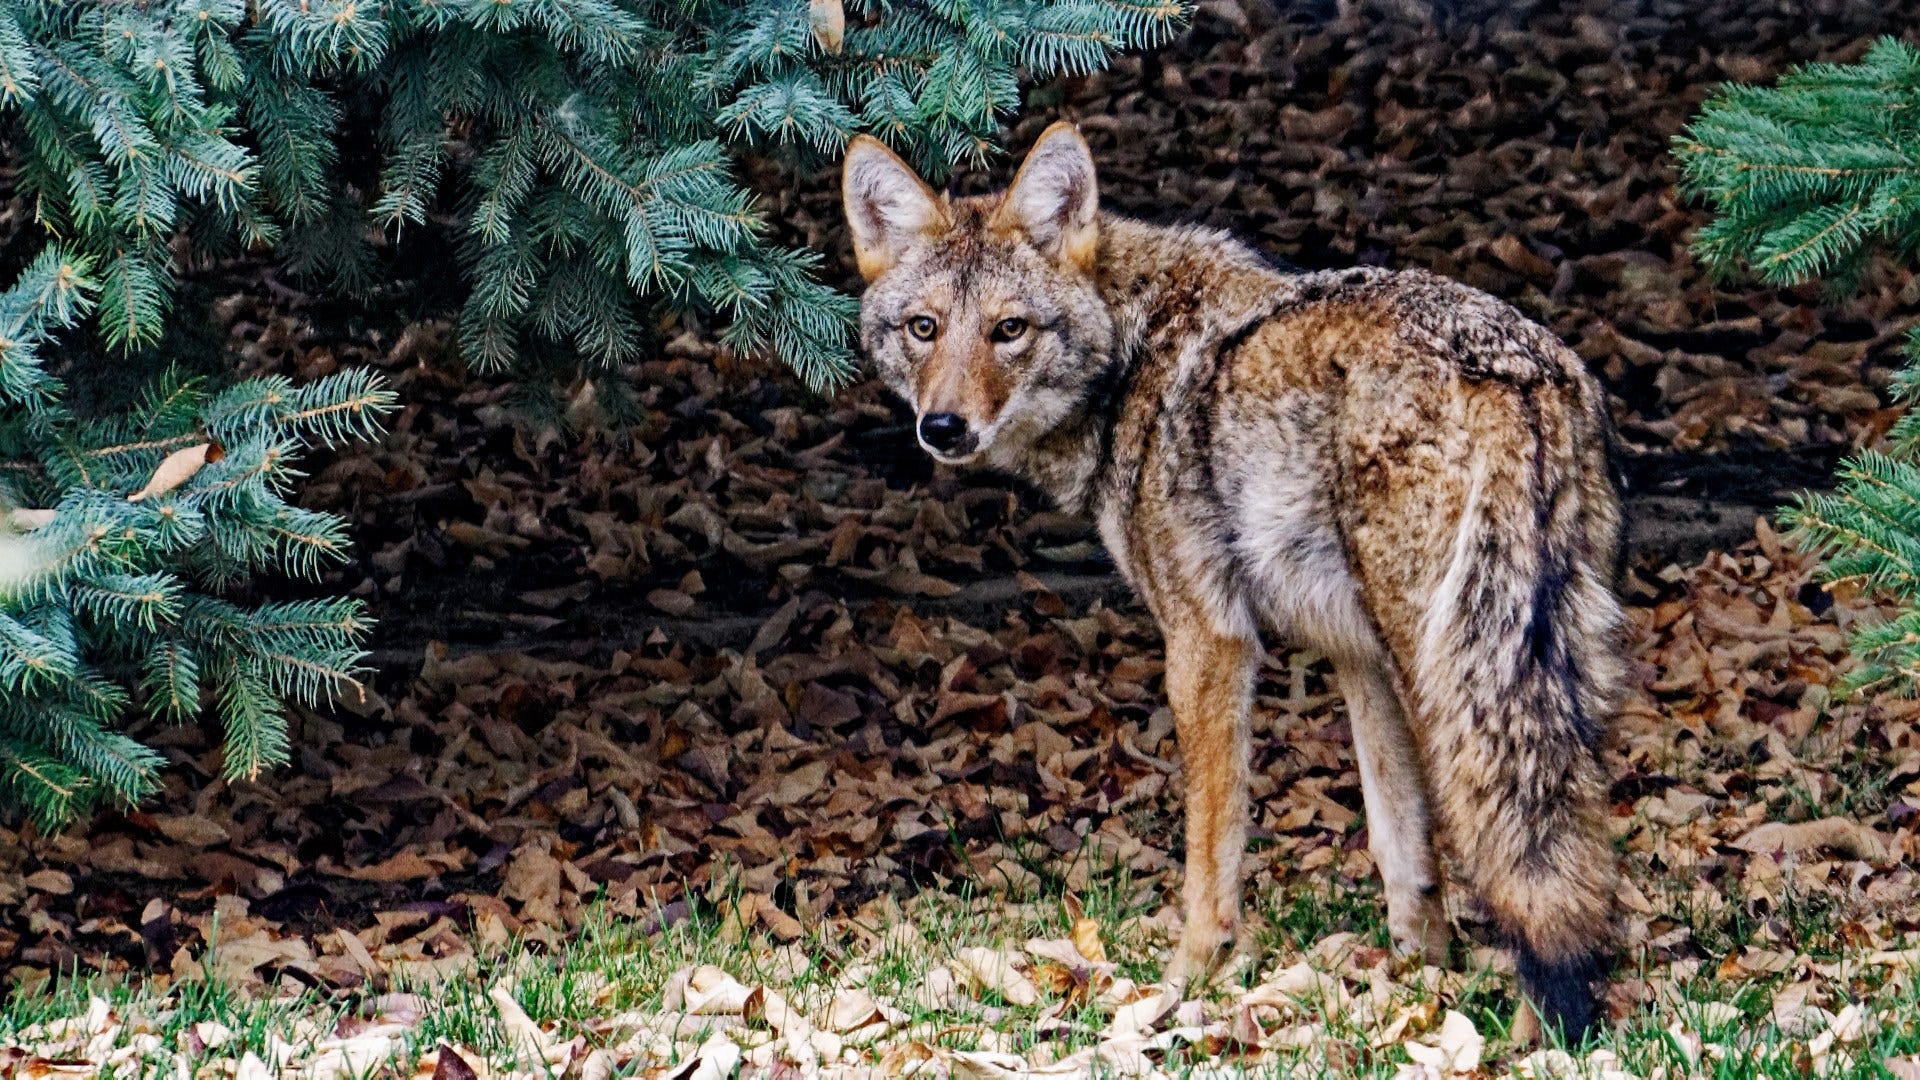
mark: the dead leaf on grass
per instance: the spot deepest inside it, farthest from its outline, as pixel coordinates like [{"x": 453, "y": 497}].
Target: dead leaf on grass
[
  {"x": 995, "y": 970},
  {"x": 1842, "y": 836}
]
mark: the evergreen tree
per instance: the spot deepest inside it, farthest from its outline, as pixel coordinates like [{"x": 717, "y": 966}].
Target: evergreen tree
[
  {"x": 583, "y": 155},
  {"x": 585, "y": 147},
  {"x": 116, "y": 555},
  {"x": 1808, "y": 179}
]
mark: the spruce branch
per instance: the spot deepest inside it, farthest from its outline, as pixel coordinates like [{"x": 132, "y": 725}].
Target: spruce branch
[
  {"x": 1809, "y": 179},
  {"x": 152, "y": 514}
]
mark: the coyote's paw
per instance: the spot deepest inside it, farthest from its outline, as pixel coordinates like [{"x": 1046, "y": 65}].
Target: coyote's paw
[
  {"x": 1419, "y": 928},
  {"x": 1198, "y": 958}
]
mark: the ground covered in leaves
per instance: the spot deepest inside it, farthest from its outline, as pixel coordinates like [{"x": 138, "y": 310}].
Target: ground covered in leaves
[{"x": 733, "y": 732}]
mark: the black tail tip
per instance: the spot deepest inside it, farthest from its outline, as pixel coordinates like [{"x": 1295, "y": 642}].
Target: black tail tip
[{"x": 1562, "y": 991}]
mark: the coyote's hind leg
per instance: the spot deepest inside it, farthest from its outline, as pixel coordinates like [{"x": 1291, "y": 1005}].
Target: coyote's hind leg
[{"x": 1399, "y": 821}]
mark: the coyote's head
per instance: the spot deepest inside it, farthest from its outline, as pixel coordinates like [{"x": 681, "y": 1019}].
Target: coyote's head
[{"x": 981, "y": 312}]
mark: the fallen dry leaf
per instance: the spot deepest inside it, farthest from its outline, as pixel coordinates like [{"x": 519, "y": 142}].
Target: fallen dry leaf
[
  {"x": 713, "y": 992},
  {"x": 1902, "y": 1068},
  {"x": 1455, "y": 1049},
  {"x": 1086, "y": 938},
  {"x": 521, "y": 1032},
  {"x": 993, "y": 970},
  {"x": 1839, "y": 835},
  {"x": 828, "y": 22},
  {"x": 177, "y": 468},
  {"x": 853, "y": 1008}
]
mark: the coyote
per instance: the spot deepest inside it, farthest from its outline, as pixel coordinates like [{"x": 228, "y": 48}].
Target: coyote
[{"x": 1391, "y": 468}]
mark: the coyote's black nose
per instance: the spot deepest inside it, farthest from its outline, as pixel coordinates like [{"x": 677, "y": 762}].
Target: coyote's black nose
[{"x": 944, "y": 431}]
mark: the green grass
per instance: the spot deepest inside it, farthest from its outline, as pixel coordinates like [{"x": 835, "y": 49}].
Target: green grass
[
  {"x": 154, "y": 1025},
  {"x": 1298, "y": 915},
  {"x": 1725, "y": 1027}
]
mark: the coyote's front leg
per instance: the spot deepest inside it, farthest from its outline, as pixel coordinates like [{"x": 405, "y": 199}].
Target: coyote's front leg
[{"x": 1209, "y": 680}]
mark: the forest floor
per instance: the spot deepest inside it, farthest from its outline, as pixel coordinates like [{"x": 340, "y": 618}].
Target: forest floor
[{"x": 741, "y": 734}]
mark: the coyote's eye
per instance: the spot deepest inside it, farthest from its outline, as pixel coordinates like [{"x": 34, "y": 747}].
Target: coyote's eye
[
  {"x": 1008, "y": 329},
  {"x": 923, "y": 327}
]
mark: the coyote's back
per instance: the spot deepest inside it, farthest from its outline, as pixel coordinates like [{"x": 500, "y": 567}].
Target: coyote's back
[{"x": 1396, "y": 470}]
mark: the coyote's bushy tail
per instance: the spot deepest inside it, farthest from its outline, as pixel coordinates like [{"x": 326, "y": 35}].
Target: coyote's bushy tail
[{"x": 1518, "y": 673}]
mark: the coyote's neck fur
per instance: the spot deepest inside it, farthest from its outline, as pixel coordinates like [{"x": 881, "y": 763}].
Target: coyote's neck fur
[{"x": 1170, "y": 290}]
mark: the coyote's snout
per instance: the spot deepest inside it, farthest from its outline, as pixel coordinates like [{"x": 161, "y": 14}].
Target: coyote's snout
[{"x": 1391, "y": 468}]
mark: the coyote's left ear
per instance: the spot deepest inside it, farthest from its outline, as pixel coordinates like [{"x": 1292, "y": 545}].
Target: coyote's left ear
[{"x": 1054, "y": 199}]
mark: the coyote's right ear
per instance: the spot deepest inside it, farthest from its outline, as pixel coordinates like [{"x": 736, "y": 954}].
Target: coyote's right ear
[{"x": 888, "y": 206}]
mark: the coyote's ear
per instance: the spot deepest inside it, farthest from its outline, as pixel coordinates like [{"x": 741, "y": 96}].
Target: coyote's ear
[
  {"x": 1054, "y": 199},
  {"x": 888, "y": 206}
]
